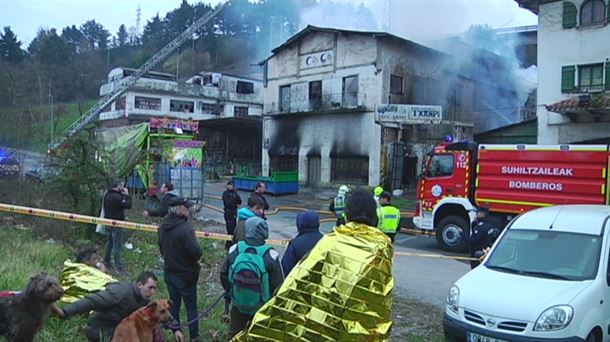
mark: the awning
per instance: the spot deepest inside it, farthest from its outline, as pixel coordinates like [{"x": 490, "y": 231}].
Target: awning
[{"x": 582, "y": 105}]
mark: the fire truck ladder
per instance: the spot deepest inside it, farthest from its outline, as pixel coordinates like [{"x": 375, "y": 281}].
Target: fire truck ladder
[{"x": 129, "y": 81}]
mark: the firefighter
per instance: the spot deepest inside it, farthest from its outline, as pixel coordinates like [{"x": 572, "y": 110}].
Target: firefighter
[
  {"x": 483, "y": 234},
  {"x": 391, "y": 216},
  {"x": 338, "y": 204},
  {"x": 377, "y": 192}
]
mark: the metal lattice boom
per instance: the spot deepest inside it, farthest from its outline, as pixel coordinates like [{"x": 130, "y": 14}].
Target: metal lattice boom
[{"x": 95, "y": 111}]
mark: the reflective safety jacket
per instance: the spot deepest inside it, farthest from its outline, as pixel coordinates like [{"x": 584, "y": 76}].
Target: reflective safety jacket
[
  {"x": 339, "y": 205},
  {"x": 391, "y": 219}
]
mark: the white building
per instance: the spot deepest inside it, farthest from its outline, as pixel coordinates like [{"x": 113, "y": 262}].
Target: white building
[
  {"x": 228, "y": 108},
  {"x": 322, "y": 87},
  {"x": 573, "y": 70}
]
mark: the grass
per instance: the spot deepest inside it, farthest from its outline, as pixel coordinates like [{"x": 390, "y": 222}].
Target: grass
[{"x": 33, "y": 131}]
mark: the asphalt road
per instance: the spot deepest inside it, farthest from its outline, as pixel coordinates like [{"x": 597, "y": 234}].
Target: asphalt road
[{"x": 420, "y": 278}]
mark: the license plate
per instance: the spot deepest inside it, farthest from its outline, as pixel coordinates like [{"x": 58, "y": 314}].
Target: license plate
[{"x": 472, "y": 337}]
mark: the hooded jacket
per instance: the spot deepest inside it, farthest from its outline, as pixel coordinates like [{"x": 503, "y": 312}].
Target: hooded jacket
[
  {"x": 257, "y": 232},
  {"x": 162, "y": 210},
  {"x": 240, "y": 229},
  {"x": 308, "y": 227},
  {"x": 179, "y": 247}
]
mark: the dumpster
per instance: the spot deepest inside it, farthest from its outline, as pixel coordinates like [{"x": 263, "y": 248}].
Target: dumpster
[{"x": 280, "y": 183}]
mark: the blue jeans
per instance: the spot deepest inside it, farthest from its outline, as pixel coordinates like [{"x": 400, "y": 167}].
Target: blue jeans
[
  {"x": 181, "y": 289},
  {"x": 115, "y": 241}
]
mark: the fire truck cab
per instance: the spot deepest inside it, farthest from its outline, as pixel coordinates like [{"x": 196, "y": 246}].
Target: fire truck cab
[{"x": 510, "y": 179}]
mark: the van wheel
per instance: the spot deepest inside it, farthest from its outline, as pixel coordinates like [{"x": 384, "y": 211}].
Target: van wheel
[
  {"x": 593, "y": 337},
  {"x": 448, "y": 234}
]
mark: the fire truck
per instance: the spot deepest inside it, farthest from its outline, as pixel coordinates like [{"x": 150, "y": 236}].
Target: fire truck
[{"x": 510, "y": 179}]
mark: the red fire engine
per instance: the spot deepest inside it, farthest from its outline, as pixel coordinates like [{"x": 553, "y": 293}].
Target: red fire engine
[{"x": 510, "y": 179}]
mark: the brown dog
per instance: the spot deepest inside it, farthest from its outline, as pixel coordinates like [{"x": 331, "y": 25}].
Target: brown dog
[{"x": 140, "y": 325}]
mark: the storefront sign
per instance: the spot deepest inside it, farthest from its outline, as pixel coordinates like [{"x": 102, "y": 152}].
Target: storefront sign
[
  {"x": 408, "y": 114},
  {"x": 167, "y": 123}
]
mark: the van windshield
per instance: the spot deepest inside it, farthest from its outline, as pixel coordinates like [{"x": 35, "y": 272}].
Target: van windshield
[{"x": 547, "y": 254}]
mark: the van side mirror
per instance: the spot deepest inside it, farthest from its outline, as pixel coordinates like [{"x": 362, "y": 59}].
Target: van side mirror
[{"x": 478, "y": 254}]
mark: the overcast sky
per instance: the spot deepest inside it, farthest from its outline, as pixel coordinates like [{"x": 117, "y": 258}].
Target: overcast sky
[{"x": 416, "y": 19}]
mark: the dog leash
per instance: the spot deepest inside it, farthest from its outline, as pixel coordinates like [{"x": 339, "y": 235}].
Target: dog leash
[{"x": 203, "y": 314}]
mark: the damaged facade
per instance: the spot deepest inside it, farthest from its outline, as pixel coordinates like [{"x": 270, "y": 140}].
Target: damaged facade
[
  {"x": 228, "y": 109},
  {"x": 573, "y": 70},
  {"x": 327, "y": 93}
]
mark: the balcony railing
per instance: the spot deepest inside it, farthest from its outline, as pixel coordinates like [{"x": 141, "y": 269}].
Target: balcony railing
[{"x": 324, "y": 103}]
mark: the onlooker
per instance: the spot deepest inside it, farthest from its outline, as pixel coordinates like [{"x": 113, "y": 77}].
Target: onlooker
[
  {"x": 116, "y": 200},
  {"x": 390, "y": 224},
  {"x": 337, "y": 205},
  {"x": 313, "y": 300},
  {"x": 256, "y": 206},
  {"x": 250, "y": 262},
  {"x": 181, "y": 252},
  {"x": 308, "y": 226},
  {"x": 231, "y": 201},
  {"x": 167, "y": 193},
  {"x": 259, "y": 192},
  {"x": 110, "y": 306},
  {"x": 483, "y": 234}
]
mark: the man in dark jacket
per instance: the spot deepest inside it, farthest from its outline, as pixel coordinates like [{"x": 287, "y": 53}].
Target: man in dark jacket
[
  {"x": 257, "y": 232},
  {"x": 110, "y": 306},
  {"x": 230, "y": 200},
  {"x": 181, "y": 252},
  {"x": 116, "y": 200},
  {"x": 259, "y": 192},
  {"x": 167, "y": 193},
  {"x": 256, "y": 206},
  {"x": 483, "y": 234},
  {"x": 308, "y": 227}
]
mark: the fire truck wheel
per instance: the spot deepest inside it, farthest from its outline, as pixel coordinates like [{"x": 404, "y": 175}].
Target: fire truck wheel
[{"x": 448, "y": 232}]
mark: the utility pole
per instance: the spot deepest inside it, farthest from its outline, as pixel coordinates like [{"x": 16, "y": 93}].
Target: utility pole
[{"x": 51, "y": 110}]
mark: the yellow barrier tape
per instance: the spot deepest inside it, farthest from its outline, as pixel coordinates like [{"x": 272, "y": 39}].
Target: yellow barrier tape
[{"x": 59, "y": 215}]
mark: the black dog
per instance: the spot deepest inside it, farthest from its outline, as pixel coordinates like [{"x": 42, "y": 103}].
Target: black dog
[{"x": 22, "y": 315}]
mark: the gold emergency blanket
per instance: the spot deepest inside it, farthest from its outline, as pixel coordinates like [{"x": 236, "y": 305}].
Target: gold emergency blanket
[
  {"x": 79, "y": 280},
  {"x": 342, "y": 291}
]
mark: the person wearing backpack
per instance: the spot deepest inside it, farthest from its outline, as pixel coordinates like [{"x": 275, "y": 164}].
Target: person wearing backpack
[{"x": 251, "y": 274}]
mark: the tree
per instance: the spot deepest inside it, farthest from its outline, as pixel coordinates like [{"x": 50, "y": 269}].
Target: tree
[
  {"x": 122, "y": 36},
  {"x": 154, "y": 35},
  {"x": 95, "y": 34},
  {"x": 74, "y": 39},
  {"x": 49, "y": 48},
  {"x": 10, "y": 47}
]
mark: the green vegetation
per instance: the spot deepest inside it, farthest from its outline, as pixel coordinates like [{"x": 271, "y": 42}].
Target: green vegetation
[{"x": 31, "y": 129}]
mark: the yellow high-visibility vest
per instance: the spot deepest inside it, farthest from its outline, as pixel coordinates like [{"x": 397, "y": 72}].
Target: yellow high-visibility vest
[{"x": 391, "y": 219}]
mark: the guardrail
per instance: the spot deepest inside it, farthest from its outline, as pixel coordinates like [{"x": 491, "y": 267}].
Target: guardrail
[{"x": 324, "y": 103}]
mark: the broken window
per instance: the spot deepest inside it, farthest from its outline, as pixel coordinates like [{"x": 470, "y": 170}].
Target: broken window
[
  {"x": 350, "y": 91},
  {"x": 285, "y": 99},
  {"x": 284, "y": 163},
  {"x": 181, "y": 106},
  {"x": 592, "y": 12},
  {"x": 120, "y": 103},
  {"x": 240, "y": 111},
  {"x": 315, "y": 95},
  {"x": 245, "y": 87},
  {"x": 395, "y": 85},
  {"x": 350, "y": 169},
  {"x": 150, "y": 103},
  {"x": 590, "y": 76},
  {"x": 209, "y": 108}
]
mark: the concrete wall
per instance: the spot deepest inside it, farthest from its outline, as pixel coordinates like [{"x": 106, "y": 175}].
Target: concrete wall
[{"x": 559, "y": 47}]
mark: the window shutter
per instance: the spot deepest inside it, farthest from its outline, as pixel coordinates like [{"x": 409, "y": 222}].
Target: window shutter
[
  {"x": 607, "y": 87},
  {"x": 569, "y": 15},
  {"x": 567, "y": 78}
]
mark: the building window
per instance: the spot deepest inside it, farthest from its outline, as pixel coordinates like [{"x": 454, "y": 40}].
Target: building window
[
  {"x": 569, "y": 15},
  {"x": 315, "y": 95},
  {"x": 441, "y": 165},
  {"x": 350, "y": 169},
  {"x": 181, "y": 106},
  {"x": 149, "y": 103},
  {"x": 209, "y": 108},
  {"x": 590, "y": 77},
  {"x": 245, "y": 87},
  {"x": 120, "y": 103},
  {"x": 592, "y": 12},
  {"x": 350, "y": 91},
  {"x": 285, "y": 99},
  {"x": 240, "y": 111},
  {"x": 567, "y": 78},
  {"x": 395, "y": 85}
]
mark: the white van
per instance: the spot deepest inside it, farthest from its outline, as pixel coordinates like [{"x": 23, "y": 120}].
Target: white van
[{"x": 547, "y": 278}]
